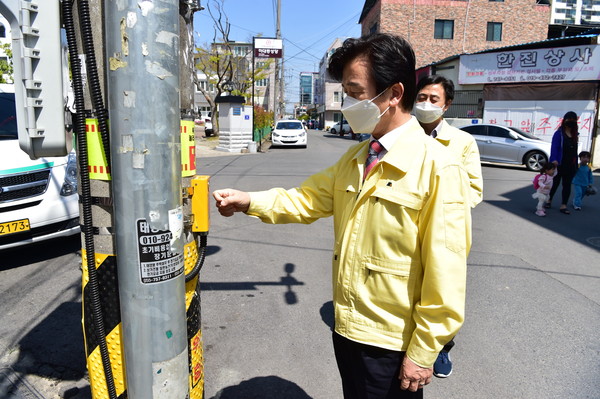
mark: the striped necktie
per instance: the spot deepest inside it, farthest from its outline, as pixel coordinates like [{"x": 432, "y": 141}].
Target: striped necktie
[{"x": 374, "y": 149}]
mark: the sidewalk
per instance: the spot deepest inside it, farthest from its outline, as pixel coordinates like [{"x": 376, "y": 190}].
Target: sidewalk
[{"x": 206, "y": 147}]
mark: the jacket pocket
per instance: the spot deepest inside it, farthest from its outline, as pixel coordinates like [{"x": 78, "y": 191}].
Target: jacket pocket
[
  {"x": 400, "y": 198},
  {"x": 385, "y": 295},
  {"x": 455, "y": 226},
  {"x": 397, "y": 268}
]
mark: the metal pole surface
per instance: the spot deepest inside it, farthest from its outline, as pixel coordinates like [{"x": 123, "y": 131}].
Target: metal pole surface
[{"x": 142, "y": 49}]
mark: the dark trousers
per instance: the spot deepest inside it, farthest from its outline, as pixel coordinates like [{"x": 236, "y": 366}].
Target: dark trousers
[
  {"x": 448, "y": 346},
  {"x": 369, "y": 372},
  {"x": 565, "y": 175}
]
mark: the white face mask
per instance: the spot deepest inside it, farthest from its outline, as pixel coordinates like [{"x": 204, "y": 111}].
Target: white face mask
[
  {"x": 427, "y": 112},
  {"x": 363, "y": 115}
]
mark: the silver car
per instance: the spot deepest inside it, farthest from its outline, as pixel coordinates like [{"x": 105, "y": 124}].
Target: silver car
[{"x": 506, "y": 144}]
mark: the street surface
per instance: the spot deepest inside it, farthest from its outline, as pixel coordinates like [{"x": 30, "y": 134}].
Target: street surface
[{"x": 533, "y": 301}]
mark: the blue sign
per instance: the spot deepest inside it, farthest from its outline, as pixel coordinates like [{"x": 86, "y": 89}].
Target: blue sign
[
  {"x": 247, "y": 117},
  {"x": 237, "y": 111}
]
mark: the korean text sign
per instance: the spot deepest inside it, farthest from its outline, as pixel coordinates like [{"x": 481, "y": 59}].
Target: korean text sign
[{"x": 557, "y": 64}]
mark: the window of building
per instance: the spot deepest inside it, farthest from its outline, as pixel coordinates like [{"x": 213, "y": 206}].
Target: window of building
[
  {"x": 206, "y": 86},
  {"x": 497, "y": 1},
  {"x": 337, "y": 96},
  {"x": 2, "y": 31},
  {"x": 444, "y": 29},
  {"x": 262, "y": 82},
  {"x": 494, "y": 32},
  {"x": 374, "y": 28},
  {"x": 204, "y": 110},
  {"x": 240, "y": 51},
  {"x": 260, "y": 64}
]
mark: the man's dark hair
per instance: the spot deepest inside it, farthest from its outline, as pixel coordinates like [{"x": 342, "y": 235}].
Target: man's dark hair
[
  {"x": 447, "y": 84},
  {"x": 391, "y": 58}
]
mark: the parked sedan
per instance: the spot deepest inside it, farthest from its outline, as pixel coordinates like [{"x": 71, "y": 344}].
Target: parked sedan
[
  {"x": 289, "y": 132},
  {"x": 506, "y": 144},
  {"x": 336, "y": 129}
]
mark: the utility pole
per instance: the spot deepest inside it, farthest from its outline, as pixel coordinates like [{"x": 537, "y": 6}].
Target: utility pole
[
  {"x": 142, "y": 208},
  {"x": 143, "y": 83},
  {"x": 279, "y": 81}
]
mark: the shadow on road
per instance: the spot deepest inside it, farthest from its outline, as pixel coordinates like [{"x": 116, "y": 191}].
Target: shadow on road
[
  {"x": 327, "y": 316},
  {"x": 580, "y": 226},
  {"x": 39, "y": 252},
  {"x": 262, "y": 388},
  {"x": 288, "y": 281},
  {"x": 54, "y": 347}
]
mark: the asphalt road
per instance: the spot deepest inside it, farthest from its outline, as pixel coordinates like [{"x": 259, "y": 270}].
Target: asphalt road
[{"x": 533, "y": 304}]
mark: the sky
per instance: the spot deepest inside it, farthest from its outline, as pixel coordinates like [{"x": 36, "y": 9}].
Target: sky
[{"x": 308, "y": 28}]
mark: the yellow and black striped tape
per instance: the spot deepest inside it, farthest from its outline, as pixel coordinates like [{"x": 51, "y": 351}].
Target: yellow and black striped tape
[
  {"x": 194, "y": 332},
  {"x": 106, "y": 270}
]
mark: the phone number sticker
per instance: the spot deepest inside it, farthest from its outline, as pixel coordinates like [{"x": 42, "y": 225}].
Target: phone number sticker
[{"x": 157, "y": 262}]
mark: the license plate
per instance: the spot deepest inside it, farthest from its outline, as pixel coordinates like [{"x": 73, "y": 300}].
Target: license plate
[{"x": 15, "y": 226}]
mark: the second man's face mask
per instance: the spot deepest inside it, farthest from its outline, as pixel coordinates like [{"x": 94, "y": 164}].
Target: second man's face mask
[
  {"x": 427, "y": 112},
  {"x": 363, "y": 115}
]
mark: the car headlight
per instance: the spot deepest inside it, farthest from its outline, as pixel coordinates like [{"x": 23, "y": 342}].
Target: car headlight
[
  {"x": 302, "y": 134},
  {"x": 69, "y": 186},
  {"x": 275, "y": 134}
]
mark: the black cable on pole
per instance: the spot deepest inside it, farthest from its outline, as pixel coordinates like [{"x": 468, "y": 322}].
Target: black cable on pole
[
  {"x": 200, "y": 262},
  {"x": 87, "y": 36},
  {"x": 86, "y": 197}
]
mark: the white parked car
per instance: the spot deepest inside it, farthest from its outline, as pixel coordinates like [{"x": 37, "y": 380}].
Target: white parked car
[
  {"x": 289, "y": 132},
  {"x": 336, "y": 129},
  {"x": 38, "y": 198}
]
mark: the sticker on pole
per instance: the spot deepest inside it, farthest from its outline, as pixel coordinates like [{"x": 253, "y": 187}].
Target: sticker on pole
[{"x": 157, "y": 262}]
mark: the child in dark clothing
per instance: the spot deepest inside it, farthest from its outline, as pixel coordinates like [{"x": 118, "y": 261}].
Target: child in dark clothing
[{"x": 583, "y": 179}]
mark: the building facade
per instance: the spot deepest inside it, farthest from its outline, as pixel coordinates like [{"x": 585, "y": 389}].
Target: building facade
[
  {"x": 307, "y": 88},
  {"x": 575, "y": 12},
  {"x": 328, "y": 92},
  {"x": 264, "y": 89},
  {"x": 530, "y": 86},
  {"x": 441, "y": 28}
]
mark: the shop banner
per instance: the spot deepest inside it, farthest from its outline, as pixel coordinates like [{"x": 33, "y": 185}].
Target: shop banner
[
  {"x": 268, "y": 48},
  {"x": 558, "y": 64},
  {"x": 542, "y": 118}
]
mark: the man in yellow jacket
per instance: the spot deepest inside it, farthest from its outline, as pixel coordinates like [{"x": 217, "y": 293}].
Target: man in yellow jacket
[
  {"x": 402, "y": 227},
  {"x": 435, "y": 93}
]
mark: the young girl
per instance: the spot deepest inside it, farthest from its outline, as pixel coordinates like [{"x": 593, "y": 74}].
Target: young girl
[{"x": 545, "y": 181}]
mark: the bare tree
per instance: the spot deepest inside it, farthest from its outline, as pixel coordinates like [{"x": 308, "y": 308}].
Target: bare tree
[
  {"x": 225, "y": 70},
  {"x": 215, "y": 61}
]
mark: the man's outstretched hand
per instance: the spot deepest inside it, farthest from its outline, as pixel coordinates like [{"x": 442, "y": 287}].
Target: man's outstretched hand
[{"x": 230, "y": 201}]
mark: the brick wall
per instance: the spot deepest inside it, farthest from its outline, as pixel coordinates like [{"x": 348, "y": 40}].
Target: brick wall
[{"x": 522, "y": 21}]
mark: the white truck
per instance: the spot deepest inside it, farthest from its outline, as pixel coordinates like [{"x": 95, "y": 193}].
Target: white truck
[{"x": 38, "y": 198}]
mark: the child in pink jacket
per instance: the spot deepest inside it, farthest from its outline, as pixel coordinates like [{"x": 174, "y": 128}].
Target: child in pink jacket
[{"x": 544, "y": 185}]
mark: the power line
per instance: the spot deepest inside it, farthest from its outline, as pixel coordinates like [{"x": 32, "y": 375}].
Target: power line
[{"x": 321, "y": 39}]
